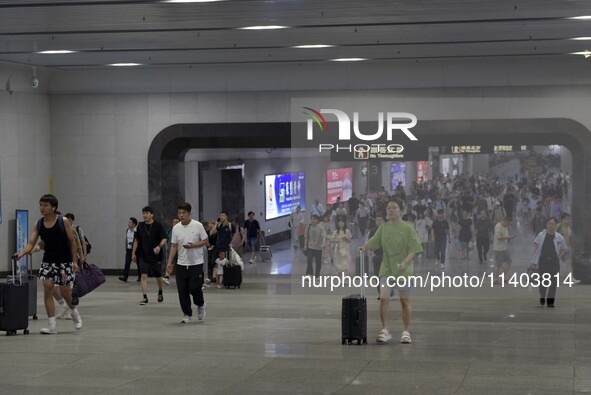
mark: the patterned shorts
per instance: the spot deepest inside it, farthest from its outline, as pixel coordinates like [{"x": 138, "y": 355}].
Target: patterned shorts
[{"x": 60, "y": 273}]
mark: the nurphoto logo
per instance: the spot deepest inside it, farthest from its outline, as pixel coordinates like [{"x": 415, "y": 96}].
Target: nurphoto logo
[{"x": 402, "y": 121}]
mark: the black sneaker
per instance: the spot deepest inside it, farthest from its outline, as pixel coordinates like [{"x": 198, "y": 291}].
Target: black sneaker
[
  {"x": 160, "y": 297},
  {"x": 123, "y": 279},
  {"x": 144, "y": 301}
]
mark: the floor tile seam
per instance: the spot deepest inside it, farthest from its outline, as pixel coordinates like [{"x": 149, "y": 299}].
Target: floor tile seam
[
  {"x": 363, "y": 369},
  {"x": 469, "y": 365},
  {"x": 251, "y": 376},
  {"x": 480, "y": 374}
]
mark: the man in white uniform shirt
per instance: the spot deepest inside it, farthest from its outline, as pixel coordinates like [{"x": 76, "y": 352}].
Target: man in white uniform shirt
[{"x": 188, "y": 238}]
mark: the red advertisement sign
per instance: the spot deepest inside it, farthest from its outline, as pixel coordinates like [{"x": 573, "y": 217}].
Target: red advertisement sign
[
  {"x": 339, "y": 183},
  {"x": 422, "y": 171}
]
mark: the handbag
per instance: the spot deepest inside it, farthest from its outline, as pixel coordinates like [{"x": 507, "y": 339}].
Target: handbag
[
  {"x": 235, "y": 258},
  {"x": 88, "y": 278}
]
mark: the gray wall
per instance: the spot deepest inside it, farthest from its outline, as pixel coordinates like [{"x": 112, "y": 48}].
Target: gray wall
[
  {"x": 99, "y": 142},
  {"x": 25, "y": 161}
]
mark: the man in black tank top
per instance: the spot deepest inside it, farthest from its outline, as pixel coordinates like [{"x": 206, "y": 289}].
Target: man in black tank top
[{"x": 60, "y": 260}]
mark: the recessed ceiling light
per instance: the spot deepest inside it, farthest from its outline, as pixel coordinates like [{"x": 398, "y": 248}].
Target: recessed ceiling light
[
  {"x": 268, "y": 27},
  {"x": 586, "y": 53},
  {"x": 313, "y": 46},
  {"x": 582, "y": 17},
  {"x": 55, "y": 52},
  {"x": 581, "y": 38},
  {"x": 190, "y": 1},
  {"x": 347, "y": 59},
  {"x": 124, "y": 64}
]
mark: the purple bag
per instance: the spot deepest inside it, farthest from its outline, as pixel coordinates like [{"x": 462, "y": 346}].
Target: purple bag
[{"x": 88, "y": 278}]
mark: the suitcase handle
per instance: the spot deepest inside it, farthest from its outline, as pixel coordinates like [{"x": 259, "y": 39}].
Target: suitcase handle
[{"x": 362, "y": 271}]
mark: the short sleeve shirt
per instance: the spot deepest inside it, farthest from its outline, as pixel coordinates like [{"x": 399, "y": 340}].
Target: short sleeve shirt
[
  {"x": 440, "y": 229},
  {"x": 397, "y": 241},
  {"x": 500, "y": 231},
  {"x": 193, "y": 232}
]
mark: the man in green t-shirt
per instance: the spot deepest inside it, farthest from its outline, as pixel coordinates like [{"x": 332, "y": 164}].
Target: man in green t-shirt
[{"x": 399, "y": 242}]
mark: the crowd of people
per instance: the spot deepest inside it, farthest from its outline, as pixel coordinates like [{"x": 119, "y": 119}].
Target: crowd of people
[
  {"x": 468, "y": 212},
  {"x": 479, "y": 212}
]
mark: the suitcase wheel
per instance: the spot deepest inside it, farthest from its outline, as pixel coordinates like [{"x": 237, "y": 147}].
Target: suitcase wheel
[
  {"x": 344, "y": 342},
  {"x": 26, "y": 332},
  {"x": 35, "y": 317}
]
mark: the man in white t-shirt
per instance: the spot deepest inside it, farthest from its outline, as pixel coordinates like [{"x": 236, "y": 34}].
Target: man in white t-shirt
[
  {"x": 501, "y": 248},
  {"x": 188, "y": 238}
]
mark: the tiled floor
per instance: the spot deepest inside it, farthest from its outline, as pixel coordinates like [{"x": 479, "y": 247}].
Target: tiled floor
[{"x": 273, "y": 337}]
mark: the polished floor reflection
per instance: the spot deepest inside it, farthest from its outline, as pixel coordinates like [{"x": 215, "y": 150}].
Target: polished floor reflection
[{"x": 272, "y": 337}]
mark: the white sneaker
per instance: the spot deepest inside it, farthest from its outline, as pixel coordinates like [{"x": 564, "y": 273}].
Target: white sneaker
[
  {"x": 77, "y": 320},
  {"x": 201, "y": 312},
  {"x": 166, "y": 280},
  {"x": 49, "y": 330},
  {"x": 405, "y": 338},
  {"x": 384, "y": 336},
  {"x": 575, "y": 281},
  {"x": 187, "y": 320},
  {"x": 63, "y": 313}
]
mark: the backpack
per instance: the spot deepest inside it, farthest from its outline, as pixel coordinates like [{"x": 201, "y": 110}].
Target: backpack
[{"x": 88, "y": 245}]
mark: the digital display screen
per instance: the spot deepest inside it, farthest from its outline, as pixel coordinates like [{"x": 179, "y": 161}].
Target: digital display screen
[
  {"x": 422, "y": 171},
  {"x": 339, "y": 183},
  {"x": 22, "y": 232},
  {"x": 283, "y": 193},
  {"x": 397, "y": 174}
]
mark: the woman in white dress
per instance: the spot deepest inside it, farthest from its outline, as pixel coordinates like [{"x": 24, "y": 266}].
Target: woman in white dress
[
  {"x": 327, "y": 249},
  {"x": 423, "y": 226},
  {"x": 342, "y": 239}
]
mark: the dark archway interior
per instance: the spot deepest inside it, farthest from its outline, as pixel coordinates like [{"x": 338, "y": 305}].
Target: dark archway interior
[{"x": 167, "y": 152}]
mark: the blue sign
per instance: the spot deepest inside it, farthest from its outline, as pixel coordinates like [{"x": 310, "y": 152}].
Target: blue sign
[
  {"x": 22, "y": 237},
  {"x": 283, "y": 193}
]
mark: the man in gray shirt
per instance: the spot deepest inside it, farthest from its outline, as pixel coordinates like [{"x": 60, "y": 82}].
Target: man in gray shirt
[{"x": 314, "y": 241}]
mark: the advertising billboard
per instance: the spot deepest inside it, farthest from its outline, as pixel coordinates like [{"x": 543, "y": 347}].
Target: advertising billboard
[
  {"x": 339, "y": 183},
  {"x": 283, "y": 193},
  {"x": 397, "y": 175}
]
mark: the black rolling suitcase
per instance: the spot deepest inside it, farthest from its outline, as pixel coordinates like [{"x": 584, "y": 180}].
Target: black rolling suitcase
[
  {"x": 14, "y": 307},
  {"x": 354, "y": 313},
  {"x": 232, "y": 276},
  {"x": 30, "y": 279}
]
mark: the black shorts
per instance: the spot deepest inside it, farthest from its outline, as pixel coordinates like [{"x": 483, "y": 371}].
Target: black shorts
[{"x": 151, "y": 269}]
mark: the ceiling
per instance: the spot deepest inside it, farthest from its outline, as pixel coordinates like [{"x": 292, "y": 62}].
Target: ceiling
[{"x": 162, "y": 35}]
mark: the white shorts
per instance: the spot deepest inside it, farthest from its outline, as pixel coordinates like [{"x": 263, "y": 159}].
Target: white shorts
[{"x": 388, "y": 283}]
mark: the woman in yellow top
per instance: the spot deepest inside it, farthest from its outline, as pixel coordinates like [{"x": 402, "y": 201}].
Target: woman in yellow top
[{"x": 400, "y": 243}]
